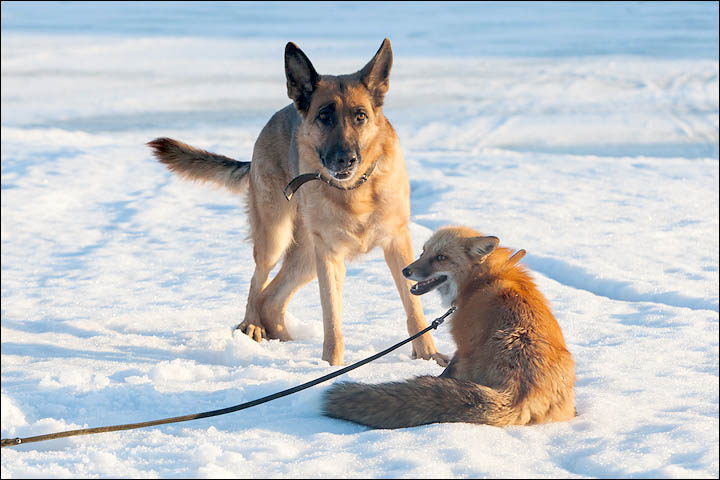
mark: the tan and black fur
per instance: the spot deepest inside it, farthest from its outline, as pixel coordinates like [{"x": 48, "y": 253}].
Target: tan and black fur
[
  {"x": 511, "y": 366},
  {"x": 335, "y": 126}
]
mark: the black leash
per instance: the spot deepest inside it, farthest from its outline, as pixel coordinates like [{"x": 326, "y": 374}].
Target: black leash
[{"x": 10, "y": 442}]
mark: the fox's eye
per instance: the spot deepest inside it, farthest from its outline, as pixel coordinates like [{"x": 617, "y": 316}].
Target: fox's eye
[
  {"x": 440, "y": 258},
  {"x": 360, "y": 117}
]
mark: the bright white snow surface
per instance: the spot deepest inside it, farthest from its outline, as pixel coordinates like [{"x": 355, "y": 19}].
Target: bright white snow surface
[{"x": 585, "y": 134}]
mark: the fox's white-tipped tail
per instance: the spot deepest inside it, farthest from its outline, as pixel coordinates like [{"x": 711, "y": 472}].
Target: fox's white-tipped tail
[{"x": 418, "y": 401}]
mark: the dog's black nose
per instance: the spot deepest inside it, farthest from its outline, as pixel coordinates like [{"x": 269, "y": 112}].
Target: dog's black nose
[
  {"x": 345, "y": 161},
  {"x": 407, "y": 272}
]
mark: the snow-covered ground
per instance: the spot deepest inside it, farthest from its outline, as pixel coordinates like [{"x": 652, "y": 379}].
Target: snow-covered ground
[{"x": 586, "y": 134}]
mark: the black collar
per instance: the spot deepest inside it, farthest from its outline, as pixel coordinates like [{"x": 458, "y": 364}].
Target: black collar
[{"x": 298, "y": 181}]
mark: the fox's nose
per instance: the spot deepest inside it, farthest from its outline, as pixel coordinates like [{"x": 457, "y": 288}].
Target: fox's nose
[{"x": 407, "y": 272}]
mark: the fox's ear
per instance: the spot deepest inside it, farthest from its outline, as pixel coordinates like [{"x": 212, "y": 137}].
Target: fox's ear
[
  {"x": 481, "y": 247},
  {"x": 376, "y": 74},
  {"x": 302, "y": 79},
  {"x": 517, "y": 256}
]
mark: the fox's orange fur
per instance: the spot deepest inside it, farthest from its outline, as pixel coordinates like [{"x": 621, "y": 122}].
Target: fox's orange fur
[{"x": 511, "y": 366}]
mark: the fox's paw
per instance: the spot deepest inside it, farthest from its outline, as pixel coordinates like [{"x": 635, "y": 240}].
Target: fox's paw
[
  {"x": 252, "y": 330},
  {"x": 442, "y": 360}
]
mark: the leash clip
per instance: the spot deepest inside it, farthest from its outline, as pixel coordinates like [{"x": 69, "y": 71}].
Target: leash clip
[{"x": 438, "y": 321}]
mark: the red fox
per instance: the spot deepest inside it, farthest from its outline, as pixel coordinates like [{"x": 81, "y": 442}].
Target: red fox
[{"x": 511, "y": 366}]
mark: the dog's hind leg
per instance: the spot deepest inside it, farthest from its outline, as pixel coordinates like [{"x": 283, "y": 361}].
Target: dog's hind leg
[
  {"x": 298, "y": 268},
  {"x": 251, "y": 324},
  {"x": 271, "y": 235}
]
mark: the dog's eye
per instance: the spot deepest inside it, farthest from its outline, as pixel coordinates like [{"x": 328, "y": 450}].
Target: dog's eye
[
  {"x": 440, "y": 258},
  {"x": 360, "y": 117},
  {"x": 324, "y": 117}
]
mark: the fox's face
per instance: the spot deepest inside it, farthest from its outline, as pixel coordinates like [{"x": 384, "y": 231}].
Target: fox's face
[
  {"x": 446, "y": 261},
  {"x": 341, "y": 114}
]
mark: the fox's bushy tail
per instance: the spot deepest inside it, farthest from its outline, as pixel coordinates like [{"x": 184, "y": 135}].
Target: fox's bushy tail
[
  {"x": 418, "y": 401},
  {"x": 195, "y": 164}
]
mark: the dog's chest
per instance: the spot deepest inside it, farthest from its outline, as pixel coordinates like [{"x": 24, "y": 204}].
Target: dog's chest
[
  {"x": 352, "y": 222},
  {"x": 351, "y": 234}
]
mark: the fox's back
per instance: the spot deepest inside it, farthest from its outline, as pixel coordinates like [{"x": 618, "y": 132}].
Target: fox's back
[{"x": 509, "y": 340}]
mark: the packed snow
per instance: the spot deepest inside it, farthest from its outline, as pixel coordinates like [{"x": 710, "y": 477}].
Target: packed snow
[{"x": 586, "y": 134}]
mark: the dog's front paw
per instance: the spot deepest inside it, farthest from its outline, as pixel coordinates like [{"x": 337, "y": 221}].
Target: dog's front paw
[
  {"x": 442, "y": 360},
  {"x": 252, "y": 330}
]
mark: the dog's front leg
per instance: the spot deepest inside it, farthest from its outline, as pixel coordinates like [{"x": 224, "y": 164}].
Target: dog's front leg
[
  {"x": 331, "y": 276},
  {"x": 398, "y": 254}
]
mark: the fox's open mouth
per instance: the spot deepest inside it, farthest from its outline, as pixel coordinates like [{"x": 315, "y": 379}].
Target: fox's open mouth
[{"x": 427, "y": 285}]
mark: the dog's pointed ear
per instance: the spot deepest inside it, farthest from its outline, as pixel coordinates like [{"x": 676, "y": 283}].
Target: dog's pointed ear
[
  {"x": 376, "y": 74},
  {"x": 302, "y": 79},
  {"x": 481, "y": 247}
]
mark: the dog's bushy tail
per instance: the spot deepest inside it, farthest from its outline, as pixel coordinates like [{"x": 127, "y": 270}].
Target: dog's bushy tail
[
  {"x": 418, "y": 401},
  {"x": 195, "y": 164}
]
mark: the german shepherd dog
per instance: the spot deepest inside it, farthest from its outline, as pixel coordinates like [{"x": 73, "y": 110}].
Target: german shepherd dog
[{"x": 334, "y": 131}]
